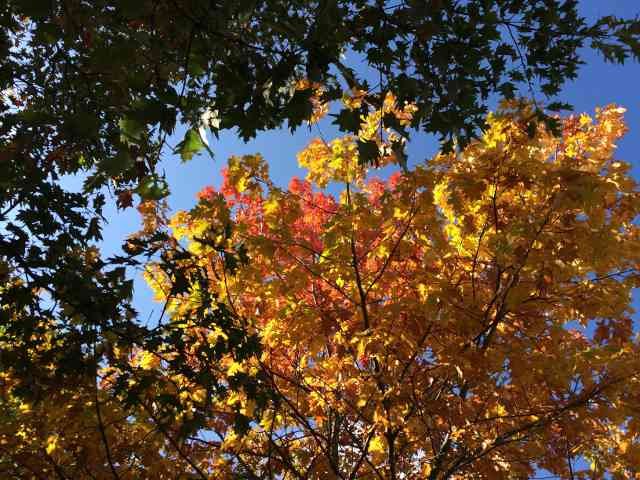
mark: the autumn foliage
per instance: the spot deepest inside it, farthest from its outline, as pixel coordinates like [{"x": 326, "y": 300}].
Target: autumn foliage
[{"x": 466, "y": 318}]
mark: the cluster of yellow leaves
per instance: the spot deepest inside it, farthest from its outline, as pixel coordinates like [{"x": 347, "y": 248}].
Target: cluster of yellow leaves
[
  {"x": 60, "y": 432},
  {"x": 337, "y": 161},
  {"x": 247, "y": 173},
  {"x": 372, "y": 123}
]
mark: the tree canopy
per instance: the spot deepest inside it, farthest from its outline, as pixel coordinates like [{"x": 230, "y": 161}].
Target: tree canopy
[
  {"x": 97, "y": 88},
  {"x": 468, "y": 318},
  {"x": 102, "y": 83}
]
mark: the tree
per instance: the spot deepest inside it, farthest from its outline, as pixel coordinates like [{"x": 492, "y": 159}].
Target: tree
[
  {"x": 468, "y": 318},
  {"x": 96, "y": 88}
]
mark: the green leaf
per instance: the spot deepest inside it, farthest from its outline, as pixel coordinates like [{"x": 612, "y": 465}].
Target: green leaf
[
  {"x": 190, "y": 145},
  {"x": 558, "y": 106},
  {"x": 117, "y": 164},
  {"x": 367, "y": 152},
  {"x": 152, "y": 188},
  {"x": 347, "y": 120},
  {"x": 94, "y": 230},
  {"x": 131, "y": 130}
]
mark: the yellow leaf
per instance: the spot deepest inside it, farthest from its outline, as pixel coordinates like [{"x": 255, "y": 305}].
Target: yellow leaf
[
  {"x": 377, "y": 445},
  {"x": 215, "y": 334},
  {"x": 199, "y": 395},
  {"x": 248, "y": 408},
  {"x": 234, "y": 368},
  {"x": 52, "y": 443},
  {"x": 234, "y": 397},
  {"x": 624, "y": 446},
  {"x": 148, "y": 361},
  {"x": 271, "y": 206}
]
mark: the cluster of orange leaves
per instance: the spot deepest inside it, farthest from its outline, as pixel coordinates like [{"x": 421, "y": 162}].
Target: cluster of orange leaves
[{"x": 472, "y": 315}]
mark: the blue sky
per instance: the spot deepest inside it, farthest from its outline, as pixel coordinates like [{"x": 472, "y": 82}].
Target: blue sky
[{"x": 598, "y": 84}]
